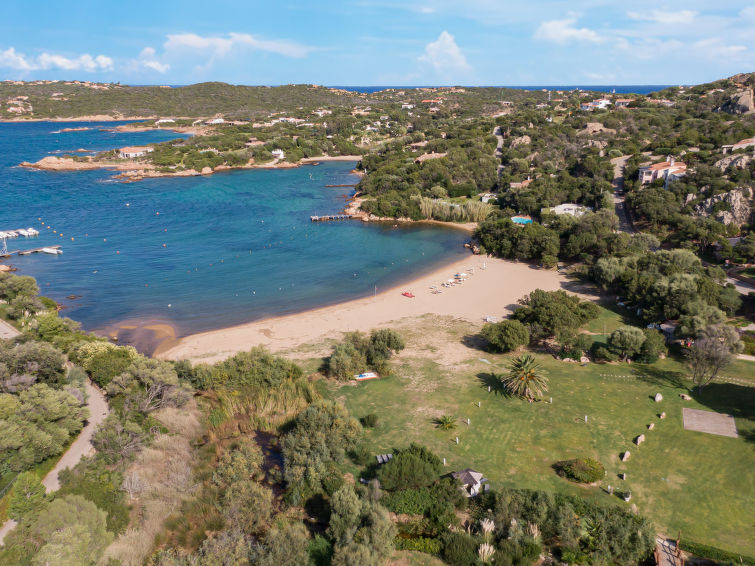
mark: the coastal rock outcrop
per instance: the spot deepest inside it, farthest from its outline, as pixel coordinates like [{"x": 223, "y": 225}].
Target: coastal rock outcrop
[{"x": 739, "y": 203}]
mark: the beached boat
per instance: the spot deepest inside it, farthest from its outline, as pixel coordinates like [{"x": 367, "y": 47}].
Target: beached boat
[{"x": 366, "y": 375}]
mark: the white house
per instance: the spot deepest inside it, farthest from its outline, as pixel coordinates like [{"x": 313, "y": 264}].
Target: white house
[
  {"x": 278, "y": 154},
  {"x": 134, "y": 151},
  {"x": 741, "y": 144},
  {"x": 165, "y": 121},
  {"x": 571, "y": 209},
  {"x": 668, "y": 170},
  {"x": 622, "y": 102},
  {"x": 470, "y": 480},
  {"x": 215, "y": 121}
]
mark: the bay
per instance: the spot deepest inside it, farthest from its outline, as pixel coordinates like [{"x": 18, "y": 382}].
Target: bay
[{"x": 199, "y": 253}]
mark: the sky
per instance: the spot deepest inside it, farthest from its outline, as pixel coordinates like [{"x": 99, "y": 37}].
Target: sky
[{"x": 379, "y": 42}]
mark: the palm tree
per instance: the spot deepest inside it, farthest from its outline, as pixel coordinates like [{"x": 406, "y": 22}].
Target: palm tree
[
  {"x": 446, "y": 422},
  {"x": 526, "y": 378}
]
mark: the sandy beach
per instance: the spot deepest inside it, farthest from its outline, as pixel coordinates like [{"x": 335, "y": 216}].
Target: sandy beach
[{"x": 492, "y": 288}]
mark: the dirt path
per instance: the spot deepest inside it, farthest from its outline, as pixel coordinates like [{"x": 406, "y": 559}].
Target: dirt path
[
  {"x": 82, "y": 446},
  {"x": 499, "y": 148},
  {"x": 7, "y": 331},
  {"x": 625, "y": 223}
]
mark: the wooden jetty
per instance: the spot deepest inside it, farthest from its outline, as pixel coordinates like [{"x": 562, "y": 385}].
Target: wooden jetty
[
  {"x": 332, "y": 217},
  {"x": 34, "y": 251}
]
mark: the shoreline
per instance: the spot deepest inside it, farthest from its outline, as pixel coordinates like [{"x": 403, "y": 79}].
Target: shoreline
[
  {"x": 492, "y": 290},
  {"x": 136, "y": 171}
]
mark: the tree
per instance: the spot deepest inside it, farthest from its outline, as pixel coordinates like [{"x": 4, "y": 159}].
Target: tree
[
  {"x": 506, "y": 335},
  {"x": 345, "y": 515},
  {"x": 117, "y": 440},
  {"x": 355, "y": 555},
  {"x": 526, "y": 378},
  {"x": 74, "y": 532},
  {"x": 27, "y": 496},
  {"x": 412, "y": 467},
  {"x": 653, "y": 346},
  {"x": 712, "y": 351},
  {"x": 626, "y": 341},
  {"x": 549, "y": 312},
  {"x": 248, "y": 505},
  {"x": 284, "y": 546}
]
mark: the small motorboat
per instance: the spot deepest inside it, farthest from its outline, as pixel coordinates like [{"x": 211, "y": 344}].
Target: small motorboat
[
  {"x": 52, "y": 251},
  {"x": 408, "y": 294}
]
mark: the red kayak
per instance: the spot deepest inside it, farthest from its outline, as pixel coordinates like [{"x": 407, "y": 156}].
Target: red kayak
[{"x": 408, "y": 294}]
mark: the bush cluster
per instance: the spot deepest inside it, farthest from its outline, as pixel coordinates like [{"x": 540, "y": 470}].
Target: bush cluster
[{"x": 582, "y": 470}]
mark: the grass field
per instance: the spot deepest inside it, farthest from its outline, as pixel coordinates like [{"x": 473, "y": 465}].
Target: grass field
[{"x": 696, "y": 483}]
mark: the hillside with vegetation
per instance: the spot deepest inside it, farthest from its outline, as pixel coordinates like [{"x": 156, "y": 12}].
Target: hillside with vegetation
[{"x": 552, "y": 436}]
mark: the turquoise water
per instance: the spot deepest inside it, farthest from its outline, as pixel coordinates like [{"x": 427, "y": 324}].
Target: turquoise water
[
  {"x": 201, "y": 252},
  {"x": 521, "y": 220}
]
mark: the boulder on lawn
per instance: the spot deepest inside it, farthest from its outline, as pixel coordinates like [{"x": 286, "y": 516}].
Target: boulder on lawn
[
  {"x": 639, "y": 440},
  {"x": 685, "y": 397},
  {"x": 658, "y": 398},
  {"x": 662, "y": 416},
  {"x": 625, "y": 456},
  {"x": 651, "y": 426}
]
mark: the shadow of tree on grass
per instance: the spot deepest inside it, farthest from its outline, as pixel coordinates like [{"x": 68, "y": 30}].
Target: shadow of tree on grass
[
  {"x": 491, "y": 380},
  {"x": 663, "y": 377}
]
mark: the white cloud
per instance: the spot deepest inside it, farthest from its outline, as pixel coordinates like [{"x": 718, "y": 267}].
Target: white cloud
[
  {"x": 46, "y": 61},
  {"x": 748, "y": 12},
  {"x": 11, "y": 60},
  {"x": 715, "y": 48},
  {"x": 148, "y": 60},
  {"x": 665, "y": 17},
  {"x": 565, "y": 31},
  {"x": 444, "y": 55},
  {"x": 221, "y": 46}
]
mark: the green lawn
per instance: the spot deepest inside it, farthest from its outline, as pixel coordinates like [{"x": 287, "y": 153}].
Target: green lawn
[{"x": 698, "y": 483}]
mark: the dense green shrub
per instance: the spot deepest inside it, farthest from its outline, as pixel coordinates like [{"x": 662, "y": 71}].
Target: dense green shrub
[
  {"x": 459, "y": 549},
  {"x": 105, "y": 365},
  {"x": 410, "y": 501},
  {"x": 358, "y": 352},
  {"x": 548, "y": 313},
  {"x": 506, "y": 335},
  {"x": 582, "y": 470},
  {"x": 411, "y": 468},
  {"x": 653, "y": 347},
  {"x": 370, "y": 420},
  {"x": 419, "y": 544},
  {"x": 94, "y": 481}
]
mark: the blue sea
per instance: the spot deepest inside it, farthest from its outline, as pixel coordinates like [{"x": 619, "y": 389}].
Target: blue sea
[{"x": 199, "y": 253}]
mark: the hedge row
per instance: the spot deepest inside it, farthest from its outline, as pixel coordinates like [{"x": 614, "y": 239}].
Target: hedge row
[{"x": 713, "y": 553}]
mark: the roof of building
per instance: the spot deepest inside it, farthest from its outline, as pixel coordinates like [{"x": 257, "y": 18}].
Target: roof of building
[
  {"x": 664, "y": 165},
  {"x": 468, "y": 476}
]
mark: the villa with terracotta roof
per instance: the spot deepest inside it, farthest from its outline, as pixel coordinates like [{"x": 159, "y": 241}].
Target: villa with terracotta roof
[
  {"x": 741, "y": 144},
  {"x": 668, "y": 170}
]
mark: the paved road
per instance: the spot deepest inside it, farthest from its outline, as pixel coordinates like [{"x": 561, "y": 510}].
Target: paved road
[
  {"x": 82, "y": 446},
  {"x": 741, "y": 286},
  {"x": 7, "y": 331},
  {"x": 625, "y": 224}
]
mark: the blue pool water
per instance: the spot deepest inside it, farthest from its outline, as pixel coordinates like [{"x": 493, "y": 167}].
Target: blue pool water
[
  {"x": 521, "y": 220},
  {"x": 200, "y": 252}
]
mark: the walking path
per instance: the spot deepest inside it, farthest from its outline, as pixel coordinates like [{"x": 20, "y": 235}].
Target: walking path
[
  {"x": 82, "y": 446},
  {"x": 499, "y": 149},
  {"x": 625, "y": 223},
  {"x": 7, "y": 331}
]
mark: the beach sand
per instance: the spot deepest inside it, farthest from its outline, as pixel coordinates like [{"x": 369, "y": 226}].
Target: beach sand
[{"x": 493, "y": 291}]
